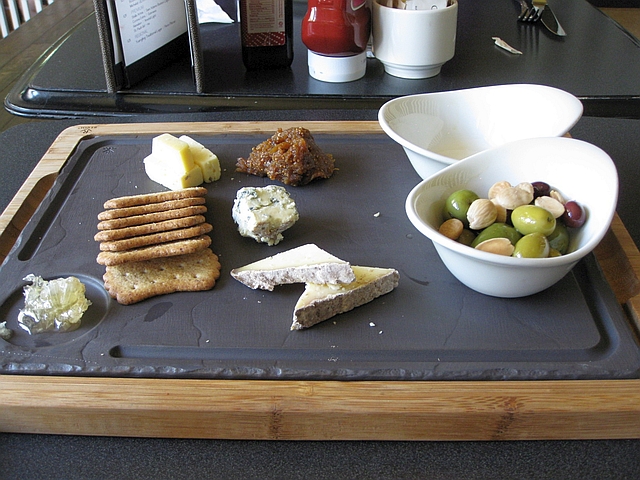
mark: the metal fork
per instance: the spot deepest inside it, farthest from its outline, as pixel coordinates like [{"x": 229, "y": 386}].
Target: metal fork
[{"x": 529, "y": 12}]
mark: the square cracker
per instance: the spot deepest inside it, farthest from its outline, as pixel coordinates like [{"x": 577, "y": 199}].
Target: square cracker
[{"x": 133, "y": 282}]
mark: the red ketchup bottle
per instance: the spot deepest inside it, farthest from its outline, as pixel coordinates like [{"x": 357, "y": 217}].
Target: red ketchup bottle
[{"x": 336, "y": 33}]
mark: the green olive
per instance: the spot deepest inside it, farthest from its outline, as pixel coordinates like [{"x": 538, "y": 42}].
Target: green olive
[
  {"x": 458, "y": 203},
  {"x": 497, "y": 230},
  {"x": 466, "y": 237},
  {"x": 559, "y": 238},
  {"x": 532, "y": 245},
  {"x": 533, "y": 219}
]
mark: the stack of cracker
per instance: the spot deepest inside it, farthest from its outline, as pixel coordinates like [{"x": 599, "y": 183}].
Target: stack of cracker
[{"x": 157, "y": 243}]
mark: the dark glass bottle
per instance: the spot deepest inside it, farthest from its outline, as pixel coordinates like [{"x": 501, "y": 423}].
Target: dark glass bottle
[{"x": 267, "y": 33}]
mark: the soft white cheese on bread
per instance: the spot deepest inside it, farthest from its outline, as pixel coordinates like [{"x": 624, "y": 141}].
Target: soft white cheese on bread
[
  {"x": 320, "y": 302},
  {"x": 263, "y": 213},
  {"x": 305, "y": 264}
]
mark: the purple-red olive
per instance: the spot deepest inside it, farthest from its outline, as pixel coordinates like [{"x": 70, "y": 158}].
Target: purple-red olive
[
  {"x": 541, "y": 189},
  {"x": 574, "y": 215}
]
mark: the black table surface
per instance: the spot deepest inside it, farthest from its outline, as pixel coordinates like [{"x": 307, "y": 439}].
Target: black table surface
[
  {"x": 597, "y": 61},
  {"x": 96, "y": 458}
]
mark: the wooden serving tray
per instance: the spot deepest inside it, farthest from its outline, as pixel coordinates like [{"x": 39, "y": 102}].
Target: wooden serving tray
[{"x": 314, "y": 410}]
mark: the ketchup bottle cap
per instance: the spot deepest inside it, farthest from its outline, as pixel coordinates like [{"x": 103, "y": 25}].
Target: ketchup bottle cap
[{"x": 337, "y": 69}]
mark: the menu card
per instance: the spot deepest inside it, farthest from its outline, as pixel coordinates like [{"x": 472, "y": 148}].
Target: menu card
[{"x": 139, "y": 37}]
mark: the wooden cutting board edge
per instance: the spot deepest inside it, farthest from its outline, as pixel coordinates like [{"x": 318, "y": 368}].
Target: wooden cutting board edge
[{"x": 313, "y": 410}]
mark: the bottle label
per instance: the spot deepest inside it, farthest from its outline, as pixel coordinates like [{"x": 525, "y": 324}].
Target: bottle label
[{"x": 263, "y": 23}]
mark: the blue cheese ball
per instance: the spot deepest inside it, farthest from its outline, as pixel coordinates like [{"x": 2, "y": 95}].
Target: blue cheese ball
[{"x": 263, "y": 213}]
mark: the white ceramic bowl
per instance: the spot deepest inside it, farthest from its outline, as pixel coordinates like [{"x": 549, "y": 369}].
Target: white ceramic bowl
[
  {"x": 579, "y": 170},
  {"x": 437, "y": 129},
  {"x": 414, "y": 43}
]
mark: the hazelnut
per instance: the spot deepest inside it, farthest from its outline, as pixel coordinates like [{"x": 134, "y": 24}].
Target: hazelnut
[
  {"x": 501, "y": 211},
  {"x": 513, "y": 197},
  {"x": 451, "y": 228},
  {"x": 482, "y": 213},
  {"x": 498, "y": 187}
]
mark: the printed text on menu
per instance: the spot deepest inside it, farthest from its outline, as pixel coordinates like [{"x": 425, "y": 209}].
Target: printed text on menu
[{"x": 146, "y": 25}]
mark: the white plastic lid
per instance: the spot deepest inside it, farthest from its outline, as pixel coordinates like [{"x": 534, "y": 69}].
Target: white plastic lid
[{"x": 337, "y": 69}]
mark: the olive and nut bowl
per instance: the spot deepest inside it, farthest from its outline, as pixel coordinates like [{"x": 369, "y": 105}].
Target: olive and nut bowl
[
  {"x": 438, "y": 129},
  {"x": 578, "y": 170}
]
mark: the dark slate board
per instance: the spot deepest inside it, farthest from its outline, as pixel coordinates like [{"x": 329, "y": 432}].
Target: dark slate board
[{"x": 430, "y": 327}]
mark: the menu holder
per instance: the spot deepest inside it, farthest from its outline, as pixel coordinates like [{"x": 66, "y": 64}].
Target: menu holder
[{"x": 140, "y": 37}]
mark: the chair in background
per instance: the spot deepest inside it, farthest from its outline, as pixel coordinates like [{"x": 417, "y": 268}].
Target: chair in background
[{"x": 14, "y": 13}]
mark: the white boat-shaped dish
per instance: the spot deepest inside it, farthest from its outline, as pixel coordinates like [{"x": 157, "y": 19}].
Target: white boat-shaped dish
[{"x": 437, "y": 129}]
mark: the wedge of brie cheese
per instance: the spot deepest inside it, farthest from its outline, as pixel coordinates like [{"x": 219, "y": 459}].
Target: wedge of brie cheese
[
  {"x": 263, "y": 213},
  {"x": 321, "y": 302},
  {"x": 204, "y": 158},
  {"x": 305, "y": 264}
]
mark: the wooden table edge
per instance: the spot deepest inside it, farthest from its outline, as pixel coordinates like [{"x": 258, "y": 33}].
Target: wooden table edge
[{"x": 315, "y": 410}]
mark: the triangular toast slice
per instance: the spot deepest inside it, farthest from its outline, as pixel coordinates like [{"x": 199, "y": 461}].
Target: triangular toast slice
[
  {"x": 305, "y": 264},
  {"x": 320, "y": 302}
]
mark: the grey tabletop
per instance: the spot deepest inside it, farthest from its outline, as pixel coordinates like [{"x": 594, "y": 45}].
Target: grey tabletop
[{"x": 89, "y": 458}]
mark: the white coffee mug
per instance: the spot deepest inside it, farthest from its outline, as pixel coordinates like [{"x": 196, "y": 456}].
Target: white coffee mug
[{"x": 414, "y": 43}]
